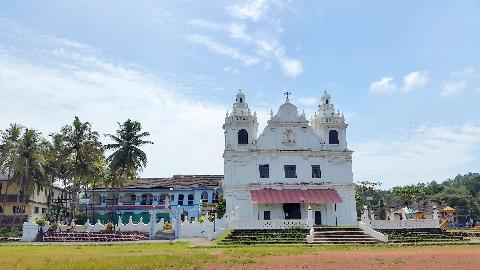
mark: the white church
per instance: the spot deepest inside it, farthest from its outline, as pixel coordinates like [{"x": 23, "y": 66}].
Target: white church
[{"x": 292, "y": 165}]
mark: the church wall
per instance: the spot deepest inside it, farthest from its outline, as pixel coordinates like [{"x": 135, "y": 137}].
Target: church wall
[{"x": 246, "y": 170}]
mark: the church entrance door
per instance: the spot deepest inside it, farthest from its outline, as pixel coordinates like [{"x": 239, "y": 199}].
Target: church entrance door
[
  {"x": 318, "y": 218},
  {"x": 292, "y": 210}
]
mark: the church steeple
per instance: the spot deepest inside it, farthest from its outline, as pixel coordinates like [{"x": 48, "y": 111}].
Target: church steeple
[
  {"x": 241, "y": 125},
  {"x": 329, "y": 124}
]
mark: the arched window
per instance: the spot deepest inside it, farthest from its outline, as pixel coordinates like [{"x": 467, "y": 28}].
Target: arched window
[
  {"x": 333, "y": 137},
  {"x": 205, "y": 197},
  {"x": 190, "y": 199},
  {"x": 215, "y": 197},
  {"x": 242, "y": 136},
  {"x": 180, "y": 199}
]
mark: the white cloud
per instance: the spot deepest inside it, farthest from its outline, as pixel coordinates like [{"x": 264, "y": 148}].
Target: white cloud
[
  {"x": 459, "y": 81},
  {"x": 414, "y": 80},
  {"x": 467, "y": 72},
  {"x": 234, "y": 30},
  {"x": 424, "y": 154},
  {"x": 219, "y": 48},
  {"x": 250, "y": 9},
  {"x": 291, "y": 67},
  {"x": 47, "y": 94},
  {"x": 384, "y": 85},
  {"x": 450, "y": 88},
  {"x": 411, "y": 81}
]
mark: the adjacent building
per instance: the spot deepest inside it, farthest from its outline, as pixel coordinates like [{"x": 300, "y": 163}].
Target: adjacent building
[
  {"x": 25, "y": 205},
  {"x": 292, "y": 165},
  {"x": 184, "y": 193}
]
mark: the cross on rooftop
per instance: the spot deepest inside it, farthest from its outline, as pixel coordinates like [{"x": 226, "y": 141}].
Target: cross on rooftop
[{"x": 287, "y": 94}]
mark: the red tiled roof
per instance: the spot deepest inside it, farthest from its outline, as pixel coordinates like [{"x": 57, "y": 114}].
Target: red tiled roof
[{"x": 269, "y": 195}]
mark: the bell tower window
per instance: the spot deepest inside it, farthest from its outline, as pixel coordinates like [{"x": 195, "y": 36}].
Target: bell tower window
[
  {"x": 242, "y": 136},
  {"x": 333, "y": 137}
]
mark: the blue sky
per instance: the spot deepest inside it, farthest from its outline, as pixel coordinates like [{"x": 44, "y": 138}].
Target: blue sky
[{"x": 406, "y": 74}]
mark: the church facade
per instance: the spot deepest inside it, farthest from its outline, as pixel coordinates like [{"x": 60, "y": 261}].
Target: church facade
[{"x": 293, "y": 165}]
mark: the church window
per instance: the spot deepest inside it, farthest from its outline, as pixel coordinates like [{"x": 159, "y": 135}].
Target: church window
[
  {"x": 290, "y": 171},
  {"x": 241, "y": 100},
  {"x": 215, "y": 197},
  {"x": 180, "y": 199},
  {"x": 204, "y": 197},
  {"x": 333, "y": 137},
  {"x": 326, "y": 101},
  {"x": 266, "y": 215},
  {"x": 316, "y": 172},
  {"x": 242, "y": 136},
  {"x": 264, "y": 171},
  {"x": 190, "y": 199}
]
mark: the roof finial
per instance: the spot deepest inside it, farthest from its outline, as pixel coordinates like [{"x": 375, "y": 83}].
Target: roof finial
[{"x": 287, "y": 94}]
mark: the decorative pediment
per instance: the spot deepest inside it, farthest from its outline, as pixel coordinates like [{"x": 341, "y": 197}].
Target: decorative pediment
[{"x": 288, "y": 137}]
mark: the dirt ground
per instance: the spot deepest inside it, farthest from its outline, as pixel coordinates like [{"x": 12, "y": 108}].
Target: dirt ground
[{"x": 437, "y": 258}]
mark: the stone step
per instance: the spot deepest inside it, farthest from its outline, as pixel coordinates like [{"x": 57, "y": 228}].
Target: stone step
[
  {"x": 342, "y": 236},
  {"x": 339, "y": 232}
]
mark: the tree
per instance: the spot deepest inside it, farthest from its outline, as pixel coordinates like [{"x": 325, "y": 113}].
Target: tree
[
  {"x": 127, "y": 159},
  {"x": 459, "y": 198},
  {"x": 84, "y": 149},
  {"x": 28, "y": 166},
  {"x": 365, "y": 189},
  {"x": 8, "y": 149},
  {"x": 221, "y": 207},
  {"x": 57, "y": 162}
]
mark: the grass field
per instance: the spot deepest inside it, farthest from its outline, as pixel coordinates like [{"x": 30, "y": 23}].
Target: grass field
[{"x": 182, "y": 256}]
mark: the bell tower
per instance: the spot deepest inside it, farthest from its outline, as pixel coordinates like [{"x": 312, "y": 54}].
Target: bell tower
[
  {"x": 330, "y": 125},
  {"x": 240, "y": 126}
]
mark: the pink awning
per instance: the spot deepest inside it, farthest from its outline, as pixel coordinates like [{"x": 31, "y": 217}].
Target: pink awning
[{"x": 269, "y": 195}]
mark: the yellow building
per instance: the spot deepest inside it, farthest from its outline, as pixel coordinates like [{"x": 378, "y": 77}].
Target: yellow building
[{"x": 37, "y": 202}]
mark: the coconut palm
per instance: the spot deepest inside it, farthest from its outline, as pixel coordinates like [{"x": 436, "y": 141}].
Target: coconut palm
[
  {"x": 8, "y": 149},
  {"x": 57, "y": 163},
  {"x": 28, "y": 165},
  {"x": 84, "y": 149},
  {"x": 127, "y": 159}
]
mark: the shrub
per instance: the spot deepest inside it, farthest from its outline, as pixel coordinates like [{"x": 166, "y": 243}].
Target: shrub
[
  {"x": 40, "y": 221},
  {"x": 201, "y": 219},
  {"x": 211, "y": 218},
  {"x": 167, "y": 226},
  {"x": 109, "y": 226},
  {"x": 54, "y": 226}
]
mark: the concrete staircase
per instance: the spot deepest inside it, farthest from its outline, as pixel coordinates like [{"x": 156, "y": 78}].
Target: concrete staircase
[
  {"x": 341, "y": 235},
  {"x": 266, "y": 237},
  {"x": 420, "y": 236}
]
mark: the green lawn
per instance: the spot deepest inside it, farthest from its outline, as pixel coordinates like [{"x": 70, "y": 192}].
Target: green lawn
[{"x": 143, "y": 256}]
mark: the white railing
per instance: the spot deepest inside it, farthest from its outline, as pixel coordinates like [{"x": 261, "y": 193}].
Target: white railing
[
  {"x": 207, "y": 229},
  {"x": 370, "y": 231},
  {"x": 404, "y": 224},
  {"x": 272, "y": 224}
]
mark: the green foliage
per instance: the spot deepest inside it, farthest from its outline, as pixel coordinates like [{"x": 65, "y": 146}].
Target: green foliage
[
  {"x": 461, "y": 192},
  {"x": 167, "y": 225},
  {"x": 211, "y": 218},
  {"x": 221, "y": 207},
  {"x": 109, "y": 226},
  {"x": 4, "y": 232},
  {"x": 201, "y": 219},
  {"x": 40, "y": 221}
]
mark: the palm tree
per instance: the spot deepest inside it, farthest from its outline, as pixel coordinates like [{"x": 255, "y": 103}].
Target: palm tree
[
  {"x": 84, "y": 148},
  {"x": 8, "y": 147},
  {"x": 28, "y": 165},
  {"x": 57, "y": 162},
  {"x": 127, "y": 159}
]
